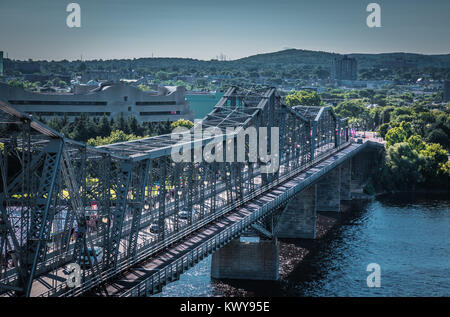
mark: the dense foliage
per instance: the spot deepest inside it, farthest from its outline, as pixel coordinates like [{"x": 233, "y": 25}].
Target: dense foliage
[
  {"x": 101, "y": 131},
  {"x": 416, "y": 129}
]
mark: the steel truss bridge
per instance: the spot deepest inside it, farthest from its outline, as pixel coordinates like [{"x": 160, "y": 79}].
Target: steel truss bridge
[{"x": 61, "y": 200}]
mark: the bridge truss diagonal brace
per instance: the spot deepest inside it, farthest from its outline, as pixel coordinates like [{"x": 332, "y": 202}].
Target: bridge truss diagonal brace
[
  {"x": 42, "y": 216},
  {"x": 142, "y": 172},
  {"x": 123, "y": 184}
]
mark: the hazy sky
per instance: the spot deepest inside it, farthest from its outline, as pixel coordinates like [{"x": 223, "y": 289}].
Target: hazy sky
[{"x": 204, "y": 29}]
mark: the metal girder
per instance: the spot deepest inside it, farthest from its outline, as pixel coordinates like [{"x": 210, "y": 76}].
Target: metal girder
[
  {"x": 121, "y": 193},
  {"x": 42, "y": 215},
  {"x": 138, "y": 192}
]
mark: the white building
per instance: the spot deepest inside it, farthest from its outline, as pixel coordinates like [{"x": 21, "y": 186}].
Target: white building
[{"x": 168, "y": 103}]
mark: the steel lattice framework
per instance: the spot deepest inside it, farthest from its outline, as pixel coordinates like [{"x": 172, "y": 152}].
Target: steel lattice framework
[{"x": 65, "y": 198}]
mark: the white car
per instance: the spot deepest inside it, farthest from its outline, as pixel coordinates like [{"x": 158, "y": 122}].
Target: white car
[
  {"x": 154, "y": 228},
  {"x": 183, "y": 214},
  {"x": 97, "y": 252}
]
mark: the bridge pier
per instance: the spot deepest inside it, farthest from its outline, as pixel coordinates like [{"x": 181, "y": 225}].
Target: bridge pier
[
  {"x": 361, "y": 165},
  {"x": 298, "y": 219},
  {"x": 329, "y": 191},
  {"x": 247, "y": 260},
  {"x": 346, "y": 180}
]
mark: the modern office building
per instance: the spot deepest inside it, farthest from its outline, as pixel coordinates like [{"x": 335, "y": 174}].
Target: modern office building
[
  {"x": 446, "y": 90},
  {"x": 344, "y": 68},
  {"x": 201, "y": 103},
  {"x": 168, "y": 103}
]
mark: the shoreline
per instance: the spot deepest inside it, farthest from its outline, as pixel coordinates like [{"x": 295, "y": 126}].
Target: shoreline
[{"x": 419, "y": 191}]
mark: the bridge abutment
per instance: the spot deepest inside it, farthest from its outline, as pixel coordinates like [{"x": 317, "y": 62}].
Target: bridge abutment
[
  {"x": 298, "y": 219},
  {"x": 247, "y": 260},
  {"x": 329, "y": 191}
]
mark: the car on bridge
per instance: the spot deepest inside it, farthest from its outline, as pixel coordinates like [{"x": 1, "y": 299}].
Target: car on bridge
[
  {"x": 154, "y": 228},
  {"x": 96, "y": 252},
  {"x": 184, "y": 214}
]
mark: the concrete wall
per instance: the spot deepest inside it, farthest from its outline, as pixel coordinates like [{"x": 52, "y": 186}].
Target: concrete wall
[
  {"x": 298, "y": 219},
  {"x": 247, "y": 260},
  {"x": 329, "y": 191},
  {"x": 346, "y": 179}
]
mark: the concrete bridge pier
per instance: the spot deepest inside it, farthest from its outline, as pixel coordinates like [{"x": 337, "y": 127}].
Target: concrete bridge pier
[
  {"x": 298, "y": 219},
  {"x": 247, "y": 260},
  {"x": 346, "y": 180},
  {"x": 362, "y": 163},
  {"x": 329, "y": 191}
]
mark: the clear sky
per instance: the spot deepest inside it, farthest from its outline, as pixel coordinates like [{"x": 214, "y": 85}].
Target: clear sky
[{"x": 204, "y": 29}]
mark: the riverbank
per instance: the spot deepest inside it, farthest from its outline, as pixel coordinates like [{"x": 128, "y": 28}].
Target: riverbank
[{"x": 413, "y": 192}]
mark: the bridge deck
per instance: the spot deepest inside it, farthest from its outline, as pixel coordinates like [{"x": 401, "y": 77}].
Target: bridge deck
[{"x": 151, "y": 266}]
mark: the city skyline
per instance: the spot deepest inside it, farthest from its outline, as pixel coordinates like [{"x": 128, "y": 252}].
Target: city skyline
[{"x": 204, "y": 30}]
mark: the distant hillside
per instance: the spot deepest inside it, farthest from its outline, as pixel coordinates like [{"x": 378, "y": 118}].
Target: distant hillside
[
  {"x": 290, "y": 63},
  {"x": 316, "y": 58},
  {"x": 401, "y": 60},
  {"x": 291, "y": 56}
]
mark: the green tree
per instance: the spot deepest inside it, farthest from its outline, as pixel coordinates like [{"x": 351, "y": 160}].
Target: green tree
[
  {"x": 104, "y": 128},
  {"x": 303, "y": 98},
  {"x": 383, "y": 129},
  {"x": 405, "y": 166},
  {"x": 416, "y": 143},
  {"x": 438, "y": 136},
  {"x": 182, "y": 123},
  {"x": 398, "y": 134},
  {"x": 436, "y": 168},
  {"x": 115, "y": 137},
  {"x": 120, "y": 124}
]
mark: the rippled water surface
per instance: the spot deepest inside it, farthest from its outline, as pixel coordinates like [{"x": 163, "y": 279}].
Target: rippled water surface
[{"x": 407, "y": 235}]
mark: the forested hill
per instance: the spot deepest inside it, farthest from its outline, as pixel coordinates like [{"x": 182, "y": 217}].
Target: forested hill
[
  {"x": 290, "y": 56},
  {"x": 316, "y": 58},
  {"x": 294, "y": 57},
  {"x": 277, "y": 66}
]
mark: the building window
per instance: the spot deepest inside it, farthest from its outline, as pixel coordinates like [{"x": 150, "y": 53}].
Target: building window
[
  {"x": 125, "y": 98},
  {"x": 160, "y": 113},
  {"x": 156, "y": 103},
  {"x": 129, "y": 108},
  {"x": 57, "y": 103}
]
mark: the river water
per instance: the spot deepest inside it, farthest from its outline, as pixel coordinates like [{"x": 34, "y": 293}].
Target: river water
[{"x": 408, "y": 236}]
